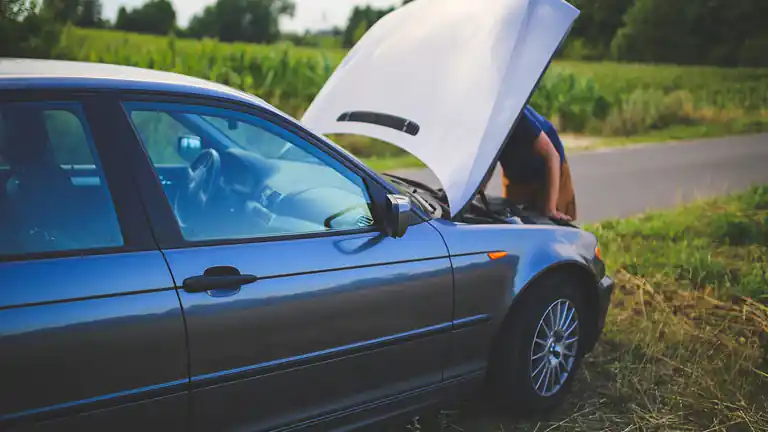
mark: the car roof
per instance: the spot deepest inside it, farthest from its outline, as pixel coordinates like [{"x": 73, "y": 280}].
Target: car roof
[{"x": 59, "y": 74}]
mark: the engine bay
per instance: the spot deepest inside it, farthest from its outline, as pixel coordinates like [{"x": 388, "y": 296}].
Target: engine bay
[{"x": 481, "y": 210}]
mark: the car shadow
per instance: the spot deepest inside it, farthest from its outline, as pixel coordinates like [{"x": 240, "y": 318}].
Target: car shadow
[{"x": 590, "y": 402}]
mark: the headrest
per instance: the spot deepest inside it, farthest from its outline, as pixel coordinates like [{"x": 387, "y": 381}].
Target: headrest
[{"x": 25, "y": 137}]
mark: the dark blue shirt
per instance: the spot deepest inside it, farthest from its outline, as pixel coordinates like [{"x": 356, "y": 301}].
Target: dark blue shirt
[{"x": 520, "y": 161}]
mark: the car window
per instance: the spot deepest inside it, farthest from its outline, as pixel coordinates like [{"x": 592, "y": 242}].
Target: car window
[
  {"x": 3, "y": 163},
  {"x": 53, "y": 194},
  {"x": 239, "y": 176},
  {"x": 67, "y": 136}
]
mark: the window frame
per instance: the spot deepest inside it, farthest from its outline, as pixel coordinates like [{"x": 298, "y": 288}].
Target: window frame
[
  {"x": 109, "y": 158},
  {"x": 162, "y": 218}
]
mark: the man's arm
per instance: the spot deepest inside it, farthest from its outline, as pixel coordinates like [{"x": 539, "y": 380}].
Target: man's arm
[{"x": 544, "y": 147}]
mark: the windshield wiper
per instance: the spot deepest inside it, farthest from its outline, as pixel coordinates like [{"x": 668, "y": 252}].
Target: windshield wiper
[
  {"x": 416, "y": 184},
  {"x": 413, "y": 191}
]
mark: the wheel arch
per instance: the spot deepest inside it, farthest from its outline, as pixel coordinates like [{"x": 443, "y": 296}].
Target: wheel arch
[{"x": 584, "y": 278}]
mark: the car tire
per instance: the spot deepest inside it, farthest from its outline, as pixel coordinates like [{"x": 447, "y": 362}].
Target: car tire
[{"x": 532, "y": 345}]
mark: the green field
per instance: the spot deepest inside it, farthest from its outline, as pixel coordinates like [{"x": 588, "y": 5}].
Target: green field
[{"x": 596, "y": 98}]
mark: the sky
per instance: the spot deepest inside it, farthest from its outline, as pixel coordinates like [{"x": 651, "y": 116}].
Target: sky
[{"x": 310, "y": 14}]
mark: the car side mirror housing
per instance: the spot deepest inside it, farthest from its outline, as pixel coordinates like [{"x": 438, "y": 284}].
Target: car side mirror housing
[
  {"x": 398, "y": 215},
  {"x": 189, "y": 147}
]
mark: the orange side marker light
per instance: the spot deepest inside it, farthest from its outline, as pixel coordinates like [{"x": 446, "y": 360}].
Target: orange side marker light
[
  {"x": 496, "y": 255},
  {"x": 598, "y": 253}
]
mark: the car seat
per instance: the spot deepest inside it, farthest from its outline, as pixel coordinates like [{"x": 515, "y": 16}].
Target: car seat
[{"x": 38, "y": 191}]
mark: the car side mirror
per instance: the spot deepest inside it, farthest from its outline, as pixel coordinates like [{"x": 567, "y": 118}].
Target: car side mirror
[
  {"x": 398, "y": 215},
  {"x": 189, "y": 147}
]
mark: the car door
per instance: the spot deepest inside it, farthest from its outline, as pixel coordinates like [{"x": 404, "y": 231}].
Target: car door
[
  {"x": 297, "y": 305},
  {"x": 91, "y": 329}
]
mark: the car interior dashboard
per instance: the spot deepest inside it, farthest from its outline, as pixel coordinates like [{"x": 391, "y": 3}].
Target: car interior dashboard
[{"x": 259, "y": 196}]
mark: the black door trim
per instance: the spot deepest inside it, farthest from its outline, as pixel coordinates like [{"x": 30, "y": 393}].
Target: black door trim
[{"x": 112, "y": 400}]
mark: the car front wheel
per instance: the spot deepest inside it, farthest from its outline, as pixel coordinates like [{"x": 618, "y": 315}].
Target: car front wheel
[{"x": 540, "y": 346}]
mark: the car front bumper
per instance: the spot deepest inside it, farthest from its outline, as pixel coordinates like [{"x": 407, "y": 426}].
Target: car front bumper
[{"x": 604, "y": 294}]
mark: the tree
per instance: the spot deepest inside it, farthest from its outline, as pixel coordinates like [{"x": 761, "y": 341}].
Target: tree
[
  {"x": 597, "y": 25},
  {"x": 361, "y": 19},
  {"x": 90, "y": 14},
  {"x": 241, "y": 20},
  {"x": 62, "y": 11},
  {"x": 155, "y": 16},
  {"x": 83, "y": 13},
  {"x": 27, "y": 30},
  {"x": 718, "y": 32},
  {"x": 14, "y": 9}
]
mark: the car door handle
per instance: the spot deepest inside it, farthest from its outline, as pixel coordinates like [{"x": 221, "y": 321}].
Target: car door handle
[{"x": 196, "y": 284}]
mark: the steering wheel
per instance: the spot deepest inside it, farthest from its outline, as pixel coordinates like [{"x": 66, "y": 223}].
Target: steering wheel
[{"x": 204, "y": 176}]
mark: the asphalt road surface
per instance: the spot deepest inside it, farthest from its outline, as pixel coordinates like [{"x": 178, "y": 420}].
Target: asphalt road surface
[{"x": 621, "y": 182}]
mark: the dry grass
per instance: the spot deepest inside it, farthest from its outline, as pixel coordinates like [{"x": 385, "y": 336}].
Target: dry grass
[{"x": 670, "y": 361}]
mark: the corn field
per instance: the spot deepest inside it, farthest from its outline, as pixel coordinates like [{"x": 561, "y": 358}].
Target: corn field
[{"x": 599, "y": 98}]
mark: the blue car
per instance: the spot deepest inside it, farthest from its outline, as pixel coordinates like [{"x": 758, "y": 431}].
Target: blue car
[{"x": 181, "y": 255}]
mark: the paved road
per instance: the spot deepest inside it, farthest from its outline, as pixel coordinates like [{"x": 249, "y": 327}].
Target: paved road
[{"x": 625, "y": 181}]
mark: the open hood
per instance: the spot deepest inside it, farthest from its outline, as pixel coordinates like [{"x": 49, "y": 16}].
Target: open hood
[{"x": 444, "y": 80}]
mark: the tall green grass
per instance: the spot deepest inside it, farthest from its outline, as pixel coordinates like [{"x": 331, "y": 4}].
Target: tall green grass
[
  {"x": 719, "y": 246},
  {"x": 597, "y": 98},
  {"x": 288, "y": 77}
]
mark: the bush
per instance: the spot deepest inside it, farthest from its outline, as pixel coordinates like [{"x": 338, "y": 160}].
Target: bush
[
  {"x": 757, "y": 199},
  {"x": 645, "y": 110},
  {"x": 637, "y": 113},
  {"x": 36, "y": 35},
  {"x": 579, "y": 49},
  {"x": 677, "y": 108},
  {"x": 569, "y": 100},
  {"x": 737, "y": 230}
]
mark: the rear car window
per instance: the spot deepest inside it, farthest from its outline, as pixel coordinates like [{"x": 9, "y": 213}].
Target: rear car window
[
  {"x": 3, "y": 162},
  {"x": 69, "y": 142},
  {"x": 53, "y": 193}
]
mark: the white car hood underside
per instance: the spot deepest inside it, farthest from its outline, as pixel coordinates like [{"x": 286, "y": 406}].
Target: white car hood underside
[{"x": 444, "y": 80}]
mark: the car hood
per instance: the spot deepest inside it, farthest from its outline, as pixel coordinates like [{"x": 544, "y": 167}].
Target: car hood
[{"x": 444, "y": 80}]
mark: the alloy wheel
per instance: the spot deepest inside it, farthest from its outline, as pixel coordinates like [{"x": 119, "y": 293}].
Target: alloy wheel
[{"x": 554, "y": 347}]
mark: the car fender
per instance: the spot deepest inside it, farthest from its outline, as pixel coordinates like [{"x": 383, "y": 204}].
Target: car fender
[
  {"x": 550, "y": 258},
  {"x": 487, "y": 286}
]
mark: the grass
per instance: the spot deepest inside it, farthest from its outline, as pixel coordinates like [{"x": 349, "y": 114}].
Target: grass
[
  {"x": 686, "y": 341},
  {"x": 680, "y": 133},
  {"x": 718, "y": 247},
  {"x": 710, "y": 86},
  {"x": 625, "y": 103},
  {"x": 388, "y": 164}
]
